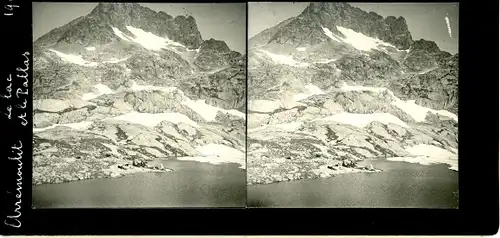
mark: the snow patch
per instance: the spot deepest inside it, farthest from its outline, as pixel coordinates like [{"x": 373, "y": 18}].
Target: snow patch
[
  {"x": 345, "y": 87},
  {"x": 148, "y": 40},
  {"x": 263, "y": 105},
  {"x": 151, "y": 41},
  {"x": 417, "y": 112},
  {"x": 114, "y": 61},
  {"x": 301, "y": 48},
  {"x": 218, "y": 154},
  {"x": 331, "y": 35},
  {"x": 76, "y": 126},
  {"x": 137, "y": 87},
  {"x": 209, "y": 112},
  {"x": 326, "y": 61},
  {"x": 311, "y": 91},
  {"x": 429, "y": 154},
  {"x": 362, "y": 120},
  {"x": 357, "y": 40},
  {"x": 121, "y": 35},
  {"x": 102, "y": 89},
  {"x": 74, "y": 59},
  {"x": 292, "y": 126},
  {"x": 284, "y": 59},
  {"x": 197, "y": 50},
  {"x": 90, "y": 48},
  {"x": 153, "y": 119}
]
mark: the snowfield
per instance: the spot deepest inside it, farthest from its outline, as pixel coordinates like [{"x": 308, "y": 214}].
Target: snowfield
[
  {"x": 263, "y": 105},
  {"x": 137, "y": 87},
  {"x": 284, "y": 59},
  {"x": 209, "y": 112},
  {"x": 74, "y": 59},
  {"x": 76, "y": 126},
  {"x": 331, "y": 35},
  {"x": 291, "y": 127},
  {"x": 356, "y": 39},
  {"x": 101, "y": 90},
  {"x": 146, "y": 39},
  {"x": 218, "y": 154},
  {"x": 361, "y": 41},
  {"x": 114, "y": 61},
  {"x": 325, "y": 61},
  {"x": 417, "y": 112},
  {"x": 311, "y": 91},
  {"x": 362, "y": 120},
  {"x": 345, "y": 87},
  {"x": 153, "y": 119},
  {"x": 429, "y": 154}
]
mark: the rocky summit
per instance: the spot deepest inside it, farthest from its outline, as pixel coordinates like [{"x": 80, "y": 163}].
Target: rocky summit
[
  {"x": 123, "y": 87},
  {"x": 336, "y": 85}
]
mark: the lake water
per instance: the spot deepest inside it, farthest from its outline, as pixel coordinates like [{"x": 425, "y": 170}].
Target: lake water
[
  {"x": 191, "y": 184},
  {"x": 401, "y": 185}
]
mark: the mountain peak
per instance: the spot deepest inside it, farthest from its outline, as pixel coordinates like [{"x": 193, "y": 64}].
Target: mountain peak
[
  {"x": 306, "y": 28},
  {"x": 95, "y": 28},
  {"x": 326, "y": 6},
  {"x": 124, "y": 7}
]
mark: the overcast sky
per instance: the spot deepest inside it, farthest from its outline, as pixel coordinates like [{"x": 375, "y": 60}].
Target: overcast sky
[
  {"x": 425, "y": 20},
  {"x": 221, "y": 21}
]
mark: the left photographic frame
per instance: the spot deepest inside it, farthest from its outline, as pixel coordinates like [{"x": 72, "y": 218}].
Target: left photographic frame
[{"x": 139, "y": 105}]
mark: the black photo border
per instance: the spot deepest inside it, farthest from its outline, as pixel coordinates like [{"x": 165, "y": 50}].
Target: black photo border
[{"x": 478, "y": 212}]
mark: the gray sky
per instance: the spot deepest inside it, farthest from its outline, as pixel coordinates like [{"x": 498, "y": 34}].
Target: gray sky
[
  {"x": 425, "y": 20},
  {"x": 221, "y": 21}
]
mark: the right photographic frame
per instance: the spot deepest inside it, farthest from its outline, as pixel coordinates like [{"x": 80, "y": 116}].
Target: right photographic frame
[{"x": 352, "y": 105}]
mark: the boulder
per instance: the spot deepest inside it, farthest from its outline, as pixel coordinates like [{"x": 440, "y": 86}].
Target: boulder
[
  {"x": 349, "y": 163},
  {"x": 139, "y": 163},
  {"x": 332, "y": 106}
]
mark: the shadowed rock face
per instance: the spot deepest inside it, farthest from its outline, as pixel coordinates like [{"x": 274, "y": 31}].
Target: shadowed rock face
[
  {"x": 225, "y": 88},
  {"x": 215, "y": 54}
]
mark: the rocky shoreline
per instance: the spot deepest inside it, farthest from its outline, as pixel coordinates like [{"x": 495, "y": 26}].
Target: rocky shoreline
[
  {"x": 268, "y": 170},
  {"x": 106, "y": 169},
  {"x": 59, "y": 162}
]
